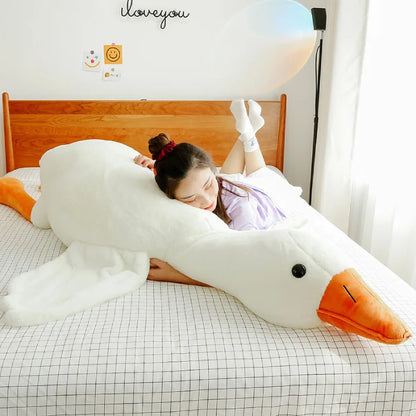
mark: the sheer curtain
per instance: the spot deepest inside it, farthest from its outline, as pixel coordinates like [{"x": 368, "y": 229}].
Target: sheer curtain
[{"x": 379, "y": 197}]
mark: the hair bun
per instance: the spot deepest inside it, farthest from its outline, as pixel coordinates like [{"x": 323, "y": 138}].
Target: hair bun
[
  {"x": 160, "y": 146},
  {"x": 156, "y": 144}
]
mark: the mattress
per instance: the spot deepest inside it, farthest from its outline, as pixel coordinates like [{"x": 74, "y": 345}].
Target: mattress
[{"x": 172, "y": 349}]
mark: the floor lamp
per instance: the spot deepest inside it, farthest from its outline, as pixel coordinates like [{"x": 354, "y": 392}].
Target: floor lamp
[{"x": 319, "y": 23}]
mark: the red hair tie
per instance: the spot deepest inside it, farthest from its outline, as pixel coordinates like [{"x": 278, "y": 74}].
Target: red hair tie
[{"x": 164, "y": 151}]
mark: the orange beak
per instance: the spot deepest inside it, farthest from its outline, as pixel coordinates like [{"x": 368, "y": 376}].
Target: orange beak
[{"x": 349, "y": 304}]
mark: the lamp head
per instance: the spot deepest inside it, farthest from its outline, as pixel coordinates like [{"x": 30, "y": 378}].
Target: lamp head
[
  {"x": 319, "y": 18},
  {"x": 263, "y": 46}
]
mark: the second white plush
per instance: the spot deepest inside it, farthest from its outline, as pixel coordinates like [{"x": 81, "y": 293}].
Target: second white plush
[{"x": 92, "y": 192}]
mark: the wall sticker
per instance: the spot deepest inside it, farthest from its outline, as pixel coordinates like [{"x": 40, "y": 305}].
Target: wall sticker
[
  {"x": 113, "y": 54},
  {"x": 111, "y": 73},
  {"x": 91, "y": 60},
  {"x": 131, "y": 11}
]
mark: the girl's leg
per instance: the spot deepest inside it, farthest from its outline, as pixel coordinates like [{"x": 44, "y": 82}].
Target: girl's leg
[
  {"x": 250, "y": 152},
  {"x": 13, "y": 194},
  {"x": 254, "y": 161},
  {"x": 254, "y": 156},
  {"x": 235, "y": 161}
]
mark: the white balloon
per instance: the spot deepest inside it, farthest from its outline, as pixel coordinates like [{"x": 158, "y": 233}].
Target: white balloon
[{"x": 265, "y": 44}]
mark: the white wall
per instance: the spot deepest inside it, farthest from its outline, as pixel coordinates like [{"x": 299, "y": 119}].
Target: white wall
[{"x": 42, "y": 55}]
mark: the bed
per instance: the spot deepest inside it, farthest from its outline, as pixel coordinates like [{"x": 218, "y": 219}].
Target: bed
[{"x": 176, "y": 349}]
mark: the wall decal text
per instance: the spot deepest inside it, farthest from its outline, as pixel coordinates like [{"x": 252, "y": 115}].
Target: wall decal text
[{"x": 131, "y": 11}]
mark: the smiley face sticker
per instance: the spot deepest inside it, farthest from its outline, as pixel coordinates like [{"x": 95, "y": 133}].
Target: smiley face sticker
[
  {"x": 113, "y": 54},
  {"x": 91, "y": 60}
]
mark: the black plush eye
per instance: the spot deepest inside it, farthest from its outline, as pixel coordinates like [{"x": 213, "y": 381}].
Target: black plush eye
[{"x": 298, "y": 270}]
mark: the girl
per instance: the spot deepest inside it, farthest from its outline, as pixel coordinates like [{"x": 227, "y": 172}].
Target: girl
[{"x": 187, "y": 173}]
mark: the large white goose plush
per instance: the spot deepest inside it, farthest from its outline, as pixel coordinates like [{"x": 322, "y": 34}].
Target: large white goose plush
[{"x": 113, "y": 217}]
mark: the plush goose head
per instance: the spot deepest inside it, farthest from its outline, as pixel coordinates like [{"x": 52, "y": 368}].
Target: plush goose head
[
  {"x": 289, "y": 276},
  {"x": 292, "y": 277}
]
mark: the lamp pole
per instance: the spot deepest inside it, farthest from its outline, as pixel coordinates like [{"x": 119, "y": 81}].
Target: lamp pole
[{"x": 319, "y": 23}]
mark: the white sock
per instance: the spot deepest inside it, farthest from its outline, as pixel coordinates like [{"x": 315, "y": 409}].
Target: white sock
[
  {"x": 256, "y": 120},
  {"x": 243, "y": 124},
  {"x": 251, "y": 145}
]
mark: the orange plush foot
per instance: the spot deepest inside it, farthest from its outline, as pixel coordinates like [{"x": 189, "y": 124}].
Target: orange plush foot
[{"x": 13, "y": 194}]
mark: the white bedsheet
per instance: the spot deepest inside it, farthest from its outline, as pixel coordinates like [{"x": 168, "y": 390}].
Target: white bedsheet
[{"x": 171, "y": 349}]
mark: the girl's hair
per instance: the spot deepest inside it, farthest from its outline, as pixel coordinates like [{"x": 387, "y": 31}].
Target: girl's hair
[
  {"x": 173, "y": 165},
  {"x": 220, "y": 210}
]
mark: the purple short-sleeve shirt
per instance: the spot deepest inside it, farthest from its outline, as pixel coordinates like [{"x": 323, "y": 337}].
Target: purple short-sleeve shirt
[{"x": 252, "y": 211}]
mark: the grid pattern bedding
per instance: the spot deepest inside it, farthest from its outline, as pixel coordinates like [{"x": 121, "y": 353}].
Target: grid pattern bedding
[{"x": 171, "y": 349}]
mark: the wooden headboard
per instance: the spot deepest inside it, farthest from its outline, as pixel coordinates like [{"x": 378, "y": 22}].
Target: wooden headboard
[{"x": 33, "y": 127}]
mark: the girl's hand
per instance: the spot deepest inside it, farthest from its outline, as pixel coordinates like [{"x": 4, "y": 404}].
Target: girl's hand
[
  {"x": 164, "y": 272},
  {"x": 144, "y": 161}
]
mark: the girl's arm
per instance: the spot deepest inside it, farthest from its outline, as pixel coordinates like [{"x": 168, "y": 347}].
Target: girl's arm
[{"x": 164, "y": 272}]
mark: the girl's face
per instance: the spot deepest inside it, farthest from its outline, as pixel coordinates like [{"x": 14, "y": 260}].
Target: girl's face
[{"x": 199, "y": 189}]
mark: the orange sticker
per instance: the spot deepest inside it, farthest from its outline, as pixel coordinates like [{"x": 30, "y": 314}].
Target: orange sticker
[{"x": 113, "y": 54}]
